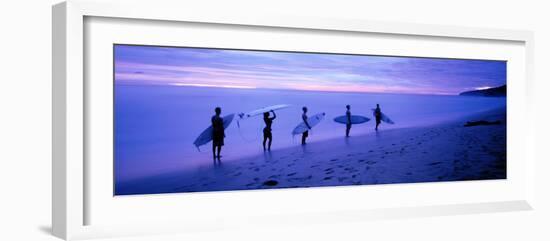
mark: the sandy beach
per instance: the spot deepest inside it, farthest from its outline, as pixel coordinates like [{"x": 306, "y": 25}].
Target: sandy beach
[{"x": 446, "y": 151}]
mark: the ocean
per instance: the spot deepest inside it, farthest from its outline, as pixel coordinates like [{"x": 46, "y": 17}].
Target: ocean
[{"x": 155, "y": 126}]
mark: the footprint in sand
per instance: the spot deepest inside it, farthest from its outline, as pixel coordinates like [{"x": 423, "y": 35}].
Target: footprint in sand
[
  {"x": 270, "y": 183},
  {"x": 327, "y": 178}
]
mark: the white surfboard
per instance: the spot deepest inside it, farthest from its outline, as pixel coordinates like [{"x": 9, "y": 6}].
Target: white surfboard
[
  {"x": 312, "y": 121},
  {"x": 206, "y": 135},
  {"x": 262, "y": 110},
  {"x": 355, "y": 119},
  {"x": 383, "y": 117}
]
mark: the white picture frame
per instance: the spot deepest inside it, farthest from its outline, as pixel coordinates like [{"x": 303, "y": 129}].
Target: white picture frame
[{"x": 71, "y": 109}]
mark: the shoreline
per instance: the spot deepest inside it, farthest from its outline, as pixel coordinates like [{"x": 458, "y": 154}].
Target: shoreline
[{"x": 445, "y": 151}]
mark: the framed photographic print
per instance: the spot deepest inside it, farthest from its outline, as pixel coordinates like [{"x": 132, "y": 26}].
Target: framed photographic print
[
  {"x": 160, "y": 117},
  {"x": 294, "y": 114}
]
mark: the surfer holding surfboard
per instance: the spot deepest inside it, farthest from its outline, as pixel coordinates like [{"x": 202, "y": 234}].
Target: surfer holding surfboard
[
  {"x": 379, "y": 116},
  {"x": 305, "y": 134},
  {"x": 307, "y": 123},
  {"x": 267, "y": 129},
  {"x": 218, "y": 134},
  {"x": 348, "y": 120}
]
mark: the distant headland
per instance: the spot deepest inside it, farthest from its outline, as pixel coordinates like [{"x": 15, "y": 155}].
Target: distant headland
[{"x": 490, "y": 92}]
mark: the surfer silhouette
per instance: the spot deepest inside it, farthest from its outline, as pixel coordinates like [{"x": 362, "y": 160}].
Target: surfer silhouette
[
  {"x": 304, "y": 118},
  {"x": 348, "y": 118},
  {"x": 218, "y": 134},
  {"x": 377, "y": 116},
  {"x": 267, "y": 129}
]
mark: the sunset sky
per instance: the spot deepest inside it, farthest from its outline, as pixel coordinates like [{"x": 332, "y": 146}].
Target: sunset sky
[{"x": 302, "y": 71}]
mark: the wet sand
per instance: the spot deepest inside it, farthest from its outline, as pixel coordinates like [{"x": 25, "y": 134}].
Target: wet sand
[{"x": 443, "y": 152}]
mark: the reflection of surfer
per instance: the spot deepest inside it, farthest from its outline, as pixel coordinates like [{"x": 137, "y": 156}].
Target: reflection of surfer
[
  {"x": 348, "y": 120},
  {"x": 304, "y": 118},
  {"x": 218, "y": 134},
  {"x": 267, "y": 129},
  {"x": 377, "y": 116}
]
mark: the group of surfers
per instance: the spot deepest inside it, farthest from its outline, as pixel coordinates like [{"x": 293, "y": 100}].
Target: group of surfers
[{"x": 218, "y": 130}]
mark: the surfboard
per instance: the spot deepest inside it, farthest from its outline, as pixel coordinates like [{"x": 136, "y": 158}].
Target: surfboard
[
  {"x": 312, "y": 121},
  {"x": 262, "y": 110},
  {"x": 355, "y": 119},
  {"x": 384, "y": 117},
  {"x": 206, "y": 135}
]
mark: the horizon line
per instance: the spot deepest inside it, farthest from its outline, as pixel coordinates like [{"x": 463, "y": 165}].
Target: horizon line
[{"x": 290, "y": 89}]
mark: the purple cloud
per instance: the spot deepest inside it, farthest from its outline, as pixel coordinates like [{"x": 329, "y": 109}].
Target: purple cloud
[{"x": 303, "y": 71}]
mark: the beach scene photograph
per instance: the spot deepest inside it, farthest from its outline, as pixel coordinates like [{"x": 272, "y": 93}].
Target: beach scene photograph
[{"x": 190, "y": 119}]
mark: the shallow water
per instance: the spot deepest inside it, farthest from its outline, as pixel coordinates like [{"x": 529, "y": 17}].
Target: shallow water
[{"x": 155, "y": 126}]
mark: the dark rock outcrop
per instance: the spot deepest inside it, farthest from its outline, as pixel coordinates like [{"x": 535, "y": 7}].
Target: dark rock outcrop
[
  {"x": 491, "y": 92},
  {"x": 481, "y": 123}
]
